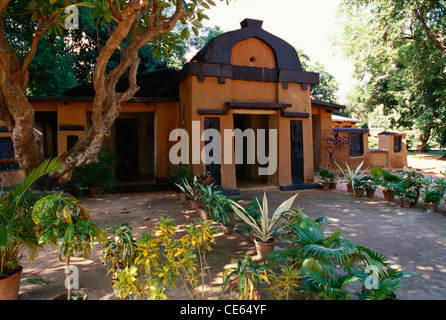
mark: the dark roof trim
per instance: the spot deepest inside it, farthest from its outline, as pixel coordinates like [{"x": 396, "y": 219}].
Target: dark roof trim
[
  {"x": 351, "y": 130},
  {"x": 257, "y": 105},
  {"x": 295, "y": 114},
  {"x": 90, "y": 99},
  {"x": 326, "y": 105},
  {"x": 391, "y": 133},
  {"x": 203, "y": 69}
]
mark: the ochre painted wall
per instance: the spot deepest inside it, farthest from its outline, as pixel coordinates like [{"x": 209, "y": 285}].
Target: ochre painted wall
[{"x": 253, "y": 52}]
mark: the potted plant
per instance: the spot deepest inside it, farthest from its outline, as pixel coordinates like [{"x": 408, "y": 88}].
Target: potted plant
[
  {"x": 180, "y": 172},
  {"x": 64, "y": 223},
  {"x": 17, "y": 229},
  {"x": 349, "y": 175},
  {"x": 96, "y": 176},
  {"x": 415, "y": 182},
  {"x": 370, "y": 184},
  {"x": 264, "y": 227},
  {"x": 359, "y": 186},
  {"x": 327, "y": 177},
  {"x": 386, "y": 180},
  {"x": 406, "y": 193},
  {"x": 247, "y": 274},
  {"x": 192, "y": 189},
  {"x": 434, "y": 189},
  {"x": 432, "y": 199}
]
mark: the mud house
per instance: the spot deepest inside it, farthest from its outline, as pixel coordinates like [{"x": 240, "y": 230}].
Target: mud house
[{"x": 247, "y": 78}]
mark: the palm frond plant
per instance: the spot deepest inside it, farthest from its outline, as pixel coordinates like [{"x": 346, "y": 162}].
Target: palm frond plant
[
  {"x": 349, "y": 174},
  {"x": 17, "y": 229},
  {"x": 327, "y": 177},
  {"x": 265, "y": 227},
  {"x": 379, "y": 280},
  {"x": 63, "y": 222}
]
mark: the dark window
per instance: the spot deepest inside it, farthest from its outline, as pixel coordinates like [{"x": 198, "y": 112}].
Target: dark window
[
  {"x": 355, "y": 144},
  {"x": 397, "y": 144},
  {"x": 6, "y": 148}
]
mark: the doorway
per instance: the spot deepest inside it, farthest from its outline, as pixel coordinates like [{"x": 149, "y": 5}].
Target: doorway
[
  {"x": 127, "y": 148},
  {"x": 247, "y": 165}
]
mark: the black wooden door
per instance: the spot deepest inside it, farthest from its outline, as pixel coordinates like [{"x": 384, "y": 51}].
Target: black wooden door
[
  {"x": 297, "y": 151},
  {"x": 213, "y": 168}
]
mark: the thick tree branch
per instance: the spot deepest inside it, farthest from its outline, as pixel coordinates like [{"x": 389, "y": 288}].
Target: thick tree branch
[{"x": 430, "y": 33}]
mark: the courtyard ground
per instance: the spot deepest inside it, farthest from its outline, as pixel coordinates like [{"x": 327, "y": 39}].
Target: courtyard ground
[{"x": 410, "y": 238}]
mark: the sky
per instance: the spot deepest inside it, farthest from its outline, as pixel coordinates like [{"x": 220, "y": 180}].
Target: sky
[{"x": 305, "y": 24}]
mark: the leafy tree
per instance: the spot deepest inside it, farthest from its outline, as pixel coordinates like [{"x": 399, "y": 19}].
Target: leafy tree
[
  {"x": 130, "y": 25},
  {"x": 399, "y": 62},
  {"x": 328, "y": 86}
]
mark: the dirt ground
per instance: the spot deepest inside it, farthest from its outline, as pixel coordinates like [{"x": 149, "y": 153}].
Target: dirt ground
[{"x": 409, "y": 238}]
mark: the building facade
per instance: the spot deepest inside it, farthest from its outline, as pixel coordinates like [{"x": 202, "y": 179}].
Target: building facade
[{"x": 244, "y": 79}]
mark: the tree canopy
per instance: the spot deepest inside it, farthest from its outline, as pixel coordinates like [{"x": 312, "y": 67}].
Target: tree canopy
[
  {"x": 398, "y": 49},
  {"x": 123, "y": 28}
]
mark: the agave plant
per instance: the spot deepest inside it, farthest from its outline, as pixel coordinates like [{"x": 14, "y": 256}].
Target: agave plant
[
  {"x": 264, "y": 227},
  {"x": 17, "y": 229},
  {"x": 349, "y": 174}
]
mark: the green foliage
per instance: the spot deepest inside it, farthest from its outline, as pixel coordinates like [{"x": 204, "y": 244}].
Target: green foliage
[
  {"x": 179, "y": 172},
  {"x": 17, "y": 228},
  {"x": 162, "y": 259},
  {"x": 350, "y": 176},
  {"x": 385, "y": 179},
  {"x": 96, "y": 174},
  {"x": 398, "y": 65},
  {"x": 264, "y": 227},
  {"x": 63, "y": 222},
  {"x": 248, "y": 275},
  {"x": 213, "y": 200},
  {"x": 328, "y": 263},
  {"x": 328, "y": 86},
  {"x": 119, "y": 250},
  {"x": 326, "y": 175}
]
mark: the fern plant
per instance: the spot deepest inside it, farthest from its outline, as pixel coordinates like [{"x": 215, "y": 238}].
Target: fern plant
[{"x": 17, "y": 229}]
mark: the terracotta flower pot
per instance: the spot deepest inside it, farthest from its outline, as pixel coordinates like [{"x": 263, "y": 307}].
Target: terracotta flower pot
[
  {"x": 96, "y": 192},
  {"x": 326, "y": 185},
  {"x": 263, "y": 248},
  {"x": 359, "y": 193},
  {"x": 370, "y": 192},
  {"x": 333, "y": 185},
  {"x": 406, "y": 203},
  {"x": 431, "y": 207},
  {"x": 184, "y": 197},
  {"x": 349, "y": 187},
  {"x": 194, "y": 204},
  {"x": 227, "y": 230},
  {"x": 389, "y": 195},
  {"x": 9, "y": 287},
  {"x": 204, "y": 214}
]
